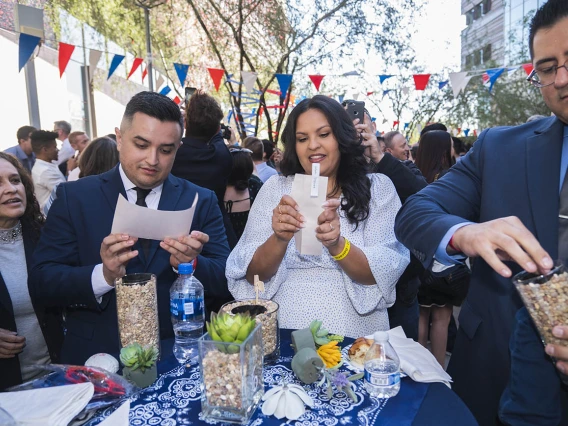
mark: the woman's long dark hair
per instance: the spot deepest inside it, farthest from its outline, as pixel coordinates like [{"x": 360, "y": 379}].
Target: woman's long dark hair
[
  {"x": 32, "y": 217},
  {"x": 241, "y": 171},
  {"x": 434, "y": 154},
  {"x": 98, "y": 157},
  {"x": 351, "y": 176}
]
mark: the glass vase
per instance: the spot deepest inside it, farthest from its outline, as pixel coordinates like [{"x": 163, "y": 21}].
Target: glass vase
[
  {"x": 231, "y": 377},
  {"x": 137, "y": 310}
]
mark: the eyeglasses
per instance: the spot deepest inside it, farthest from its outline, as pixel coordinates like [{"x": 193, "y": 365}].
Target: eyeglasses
[{"x": 542, "y": 77}]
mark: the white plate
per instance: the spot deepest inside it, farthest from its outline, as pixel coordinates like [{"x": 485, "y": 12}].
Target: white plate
[{"x": 353, "y": 366}]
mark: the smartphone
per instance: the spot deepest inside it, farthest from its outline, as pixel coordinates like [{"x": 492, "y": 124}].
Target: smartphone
[
  {"x": 356, "y": 109},
  {"x": 189, "y": 91}
]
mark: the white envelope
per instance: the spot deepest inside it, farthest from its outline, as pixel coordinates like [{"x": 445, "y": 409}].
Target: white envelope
[
  {"x": 142, "y": 222},
  {"x": 310, "y": 207}
]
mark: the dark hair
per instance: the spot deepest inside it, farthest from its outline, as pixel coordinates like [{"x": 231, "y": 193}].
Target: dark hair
[
  {"x": 352, "y": 172},
  {"x": 268, "y": 148},
  {"x": 203, "y": 116},
  {"x": 32, "y": 217},
  {"x": 389, "y": 137},
  {"x": 111, "y": 136},
  {"x": 241, "y": 171},
  {"x": 41, "y": 139},
  {"x": 98, "y": 157},
  {"x": 256, "y": 146},
  {"x": 63, "y": 125},
  {"x": 458, "y": 144},
  {"x": 433, "y": 126},
  {"x": 434, "y": 154},
  {"x": 24, "y": 132},
  {"x": 414, "y": 151},
  {"x": 154, "y": 105},
  {"x": 547, "y": 16}
]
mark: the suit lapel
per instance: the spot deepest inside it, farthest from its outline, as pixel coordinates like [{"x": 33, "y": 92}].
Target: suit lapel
[
  {"x": 171, "y": 193},
  {"x": 112, "y": 184},
  {"x": 544, "y": 151}
]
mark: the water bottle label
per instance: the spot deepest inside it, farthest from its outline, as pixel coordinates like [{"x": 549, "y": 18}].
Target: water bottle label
[
  {"x": 187, "y": 309},
  {"x": 381, "y": 379}
]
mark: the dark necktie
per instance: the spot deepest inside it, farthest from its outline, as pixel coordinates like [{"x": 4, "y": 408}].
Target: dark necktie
[
  {"x": 141, "y": 195},
  {"x": 563, "y": 222}
]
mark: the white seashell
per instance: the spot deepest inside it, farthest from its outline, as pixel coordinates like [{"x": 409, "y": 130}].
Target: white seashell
[
  {"x": 104, "y": 361},
  {"x": 294, "y": 406},
  {"x": 270, "y": 404},
  {"x": 299, "y": 391},
  {"x": 272, "y": 392},
  {"x": 281, "y": 406}
]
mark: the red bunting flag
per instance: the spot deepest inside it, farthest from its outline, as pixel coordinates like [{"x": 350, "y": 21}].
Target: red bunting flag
[
  {"x": 177, "y": 100},
  {"x": 135, "y": 65},
  {"x": 370, "y": 93},
  {"x": 459, "y": 130},
  {"x": 316, "y": 79},
  {"x": 274, "y": 92},
  {"x": 65, "y": 52},
  {"x": 475, "y": 133},
  {"x": 395, "y": 123},
  {"x": 144, "y": 73},
  {"x": 528, "y": 68},
  {"x": 216, "y": 75},
  {"x": 421, "y": 81}
]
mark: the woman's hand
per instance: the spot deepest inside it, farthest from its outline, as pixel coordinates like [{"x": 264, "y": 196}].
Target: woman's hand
[
  {"x": 329, "y": 228},
  {"x": 286, "y": 219},
  {"x": 10, "y": 343}
]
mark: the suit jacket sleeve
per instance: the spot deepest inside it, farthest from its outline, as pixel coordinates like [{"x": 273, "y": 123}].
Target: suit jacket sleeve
[
  {"x": 57, "y": 277},
  {"x": 213, "y": 259},
  {"x": 405, "y": 181},
  {"x": 427, "y": 216}
]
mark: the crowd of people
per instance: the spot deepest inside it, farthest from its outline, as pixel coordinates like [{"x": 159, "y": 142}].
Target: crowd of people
[{"x": 407, "y": 233}]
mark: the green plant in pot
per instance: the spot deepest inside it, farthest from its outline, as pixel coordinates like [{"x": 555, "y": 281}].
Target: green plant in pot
[{"x": 139, "y": 364}]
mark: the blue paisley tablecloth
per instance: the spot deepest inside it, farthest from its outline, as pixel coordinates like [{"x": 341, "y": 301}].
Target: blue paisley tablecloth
[{"x": 175, "y": 399}]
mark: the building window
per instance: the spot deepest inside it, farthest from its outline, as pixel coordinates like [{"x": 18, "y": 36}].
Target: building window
[
  {"x": 477, "y": 12},
  {"x": 487, "y": 53},
  {"x": 486, "y": 6}
]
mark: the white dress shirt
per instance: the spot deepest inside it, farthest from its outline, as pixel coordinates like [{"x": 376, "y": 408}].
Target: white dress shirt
[
  {"x": 100, "y": 286},
  {"x": 46, "y": 176},
  {"x": 74, "y": 174},
  {"x": 66, "y": 152}
]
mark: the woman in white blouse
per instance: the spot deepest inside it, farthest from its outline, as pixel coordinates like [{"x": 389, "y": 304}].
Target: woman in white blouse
[{"x": 349, "y": 286}]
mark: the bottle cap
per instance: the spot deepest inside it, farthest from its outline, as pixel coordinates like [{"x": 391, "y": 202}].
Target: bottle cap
[
  {"x": 381, "y": 336},
  {"x": 185, "y": 268}
]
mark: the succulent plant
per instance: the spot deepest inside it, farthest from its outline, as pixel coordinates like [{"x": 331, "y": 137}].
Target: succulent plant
[
  {"x": 230, "y": 328},
  {"x": 136, "y": 357},
  {"x": 320, "y": 334}
]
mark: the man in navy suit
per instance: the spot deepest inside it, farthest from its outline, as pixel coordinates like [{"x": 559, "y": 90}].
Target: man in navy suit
[
  {"x": 77, "y": 261},
  {"x": 500, "y": 203}
]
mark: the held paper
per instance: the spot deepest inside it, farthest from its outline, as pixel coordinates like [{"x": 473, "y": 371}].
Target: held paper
[
  {"x": 310, "y": 208},
  {"x": 142, "y": 222}
]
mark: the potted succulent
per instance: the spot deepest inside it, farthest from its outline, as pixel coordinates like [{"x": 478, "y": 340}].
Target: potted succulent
[
  {"x": 230, "y": 361},
  {"x": 139, "y": 364}
]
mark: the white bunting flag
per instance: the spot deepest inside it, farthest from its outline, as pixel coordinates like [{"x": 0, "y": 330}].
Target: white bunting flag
[
  {"x": 94, "y": 57},
  {"x": 459, "y": 80},
  {"x": 159, "y": 82},
  {"x": 249, "y": 78}
]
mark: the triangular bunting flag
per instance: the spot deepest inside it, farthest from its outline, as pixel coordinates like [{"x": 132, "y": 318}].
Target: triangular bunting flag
[
  {"x": 405, "y": 90},
  {"x": 459, "y": 130},
  {"x": 350, "y": 73},
  {"x": 177, "y": 100},
  {"x": 159, "y": 82},
  {"x": 316, "y": 79},
  {"x": 284, "y": 81},
  {"x": 181, "y": 71},
  {"x": 28, "y": 43},
  {"x": 459, "y": 81},
  {"x": 385, "y": 92},
  {"x": 94, "y": 57},
  {"x": 249, "y": 78},
  {"x": 475, "y": 133},
  {"x": 165, "y": 90},
  {"x": 466, "y": 132},
  {"x": 356, "y": 96},
  {"x": 341, "y": 97},
  {"x": 114, "y": 64},
  {"x": 383, "y": 77},
  {"x": 144, "y": 73},
  {"x": 443, "y": 84},
  {"x": 511, "y": 70},
  {"x": 494, "y": 74},
  {"x": 395, "y": 123},
  {"x": 65, "y": 52},
  {"x": 406, "y": 125},
  {"x": 370, "y": 93},
  {"x": 216, "y": 75},
  {"x": 528, "y": 68},
  {"x": 421, "y": 81},
  {"x": 135, "y": 65}
]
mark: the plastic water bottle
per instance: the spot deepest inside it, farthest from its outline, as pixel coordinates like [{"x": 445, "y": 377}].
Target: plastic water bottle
[
  {"x": 382, "y": 368},
  {"x": 187, "y": 309}
]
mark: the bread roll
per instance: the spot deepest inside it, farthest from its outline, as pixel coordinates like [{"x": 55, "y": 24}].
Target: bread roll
[{"x": 358, "y": 350}]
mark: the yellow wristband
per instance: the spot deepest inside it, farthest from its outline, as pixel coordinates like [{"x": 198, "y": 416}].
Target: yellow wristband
[{"x": 344, "y": 252}]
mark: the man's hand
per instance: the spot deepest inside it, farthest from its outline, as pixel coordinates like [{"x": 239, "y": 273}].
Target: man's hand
[
  {"x": 186, "y": 248},
  {"x": 10, "y": 343},
  {"x": 370, "y": 142},
  {"x": 557, "y": 351},
  {"x": 116, "y": 251},
  {"x": 72, "y": 163},
  {"x": 502, "y": 240}
]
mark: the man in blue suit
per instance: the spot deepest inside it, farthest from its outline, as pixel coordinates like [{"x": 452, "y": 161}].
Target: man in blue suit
[
  {"x": 500, "y": 203},
  {"x": 77, "y": 261}
]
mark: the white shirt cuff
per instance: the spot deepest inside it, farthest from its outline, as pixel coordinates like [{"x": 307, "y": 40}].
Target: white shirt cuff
[
  {"x": 441, "y": 257},
  {"x": 100, "y": 286}
]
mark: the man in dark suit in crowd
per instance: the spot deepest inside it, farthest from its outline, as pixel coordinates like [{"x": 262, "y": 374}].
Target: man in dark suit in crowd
[
  {"x": 506, "y": 213},
  {"x": 77, "y": 261}
]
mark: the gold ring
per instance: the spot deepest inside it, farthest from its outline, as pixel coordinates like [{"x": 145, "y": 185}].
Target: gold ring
[{"x": 331, "y": 227}]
